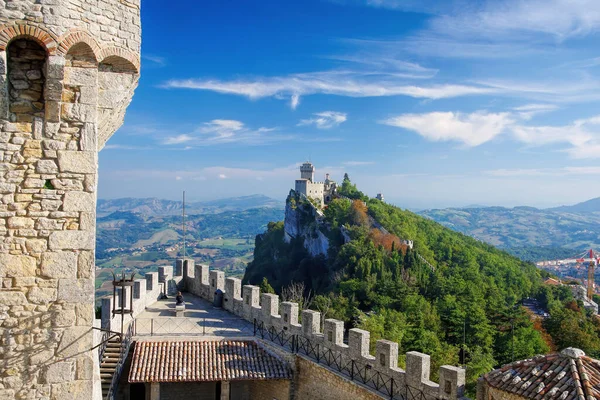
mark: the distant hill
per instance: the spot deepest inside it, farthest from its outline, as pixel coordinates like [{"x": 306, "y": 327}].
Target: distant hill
[
  {"x": 526, "y": 229},
  {"x": 154, "y": 206},
  {"x": 590, "y": 206}
]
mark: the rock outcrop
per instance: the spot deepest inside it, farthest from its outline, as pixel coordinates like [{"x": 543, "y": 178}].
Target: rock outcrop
[{"x": 303, "y": 219}]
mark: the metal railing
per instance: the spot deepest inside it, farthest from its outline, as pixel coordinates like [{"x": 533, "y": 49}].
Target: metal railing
[
  {"x": 349, "y": 368},
  {"x": 125, "y": 344},
  {"x": 192, "y": 327}
]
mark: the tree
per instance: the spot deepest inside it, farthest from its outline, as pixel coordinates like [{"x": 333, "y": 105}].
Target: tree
[{"x": 265, "y": 286}]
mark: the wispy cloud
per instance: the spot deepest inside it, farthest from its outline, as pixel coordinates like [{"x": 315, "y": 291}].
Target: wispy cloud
[
  {"x": 325, "y": 119},
  {"x": 223, "y": 131},
  {"x": 155, "y": 60},
  {"x": 470, "y": 129},
  {"x": 338, "y": 82}
]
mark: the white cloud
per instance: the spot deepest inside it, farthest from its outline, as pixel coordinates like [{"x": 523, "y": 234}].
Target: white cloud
[
  {"x": 528, "y": 111},
  {"x": 222, "y": 131},
  {"x": 470, "y": 129},
  {"x": 179, "y": 139},
  {"x": 340, "y": 83},
  {"x": 325, "y": 119},
  {"x": 582, "y": 136},
  {"x": 178, "y": 178},
  {"x": 222, "y": 176},
  {"x": 154, "y": 59}
]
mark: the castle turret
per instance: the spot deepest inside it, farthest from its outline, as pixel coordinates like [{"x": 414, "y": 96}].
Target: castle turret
[
  {"x": 307, "y": 171},
  {"x": 68, "y": 70}
]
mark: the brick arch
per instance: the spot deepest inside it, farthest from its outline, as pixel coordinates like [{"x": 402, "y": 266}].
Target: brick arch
[
  {"x": 74, "y": 37},
  {"x": 124, "y": 57},
  {"x": 46, "y": 39}
]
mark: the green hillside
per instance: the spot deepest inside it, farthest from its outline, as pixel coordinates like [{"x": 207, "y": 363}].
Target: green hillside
[{"x": 373, "y": 281}]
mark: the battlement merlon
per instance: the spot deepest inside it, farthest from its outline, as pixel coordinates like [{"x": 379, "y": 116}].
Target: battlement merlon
[{"x": 267, "y": 309}]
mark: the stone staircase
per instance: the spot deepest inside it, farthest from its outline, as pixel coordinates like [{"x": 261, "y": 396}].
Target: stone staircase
[{"x": 110, "y": 360}]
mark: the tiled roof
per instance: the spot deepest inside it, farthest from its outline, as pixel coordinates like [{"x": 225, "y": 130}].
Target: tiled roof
[
  {"x": 186, "y": 361},
  {"x": 567, "y": 375}
]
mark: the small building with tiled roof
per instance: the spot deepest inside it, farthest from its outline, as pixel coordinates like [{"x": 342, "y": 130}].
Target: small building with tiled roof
[
  {"x": 223, "y": 369},
  {"x": 567, "y": 375}
]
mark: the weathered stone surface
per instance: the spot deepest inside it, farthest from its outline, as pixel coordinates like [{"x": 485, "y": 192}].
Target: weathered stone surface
[
  {"x": 59, "y": 264},
  {"x": 79, "y": 201},
  {"x": 76, "y": 290},
  {"x": 20, "y": 223},
  {"x": 84, "y": 162},
  {"x": 39, "y": 295},
  {"x": 64, "y": 318},
  {"x": 12, "y": 298},
  {"x": 47, "y": 167},
  {"x": 17, "y": 265},
  {"x": 60, "y": 372},
  {"x": 75, "y": 340},
  {"x": 72, "y": 240}
]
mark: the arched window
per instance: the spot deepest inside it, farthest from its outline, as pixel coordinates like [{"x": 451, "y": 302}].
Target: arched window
[{"x": 26, "y": 80}]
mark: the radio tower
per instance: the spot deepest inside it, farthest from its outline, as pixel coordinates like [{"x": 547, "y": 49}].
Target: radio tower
[{"x": 183, "y": 225}]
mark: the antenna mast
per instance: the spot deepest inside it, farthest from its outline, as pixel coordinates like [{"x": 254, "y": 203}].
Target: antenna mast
[{"x": 183, "y": 224}]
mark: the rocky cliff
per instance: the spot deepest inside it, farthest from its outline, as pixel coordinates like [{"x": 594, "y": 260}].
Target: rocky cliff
[{"x": 304, "y": 220}]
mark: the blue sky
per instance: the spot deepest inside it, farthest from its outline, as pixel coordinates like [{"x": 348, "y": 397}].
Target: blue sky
[{"x": 433, "y": 103}]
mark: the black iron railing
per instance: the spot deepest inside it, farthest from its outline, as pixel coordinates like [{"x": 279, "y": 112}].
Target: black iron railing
[{"x": 351, "y": 369}]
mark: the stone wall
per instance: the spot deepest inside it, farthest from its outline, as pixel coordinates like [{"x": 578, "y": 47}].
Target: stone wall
[
  {"x": 266, "y": 309},
  {"x": 67, "y": 74},
  {"x": 311, "y": 380}
]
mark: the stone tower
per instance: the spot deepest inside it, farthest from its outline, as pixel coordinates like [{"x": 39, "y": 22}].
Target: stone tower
[
  {"x": 307, "y": 171},
  {"x": 68, "y": 70}
]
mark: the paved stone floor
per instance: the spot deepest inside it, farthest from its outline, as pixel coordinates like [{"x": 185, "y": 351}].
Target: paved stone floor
[{"x": 201, "y": 319}]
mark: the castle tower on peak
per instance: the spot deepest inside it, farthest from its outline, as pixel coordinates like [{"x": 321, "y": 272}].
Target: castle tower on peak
[
  {"x": 322, "y": 192},
  {"x": 307, "y": 171}
]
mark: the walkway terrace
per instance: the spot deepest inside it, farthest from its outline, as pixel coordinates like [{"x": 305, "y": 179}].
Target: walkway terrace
[
  {"x": 310, "y": 347},
  {"x": 200, "y": 318}
]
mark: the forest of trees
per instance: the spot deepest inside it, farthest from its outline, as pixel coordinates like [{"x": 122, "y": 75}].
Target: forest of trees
[{"x": 465, "y": 311}]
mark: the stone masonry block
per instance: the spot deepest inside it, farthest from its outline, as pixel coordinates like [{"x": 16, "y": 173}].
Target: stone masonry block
[
  {"x": 59, "y": 264},
  {"x": 202, "y": 273},
  {"x": 452, "y": 382},
  {"x": 17, "y": 265},
  {"x": 289, "y": 313},
  {"x": 311, "y": 322},
  {"x": 217, "y": 280},
  {"x": 79, "y": 201},
  {"x": 250, "y": 295},
  {"x": 418, "y": 367},
  {"x": 165, "y": 273},
  {"x": 333, "y": 330},
  {"x": 72, "y": 240},
  {"x": 233, "y": 288},
  {"x": 358, "y": 342},
  {"x": 83, "y": 162},
  {"x": 76, "y": 290},
  {"x": 60, "y": 372},
  {"x": 151, "y": 281},
  {"x": 188, "y": 268},
  {"x": 270, "y": 305},
  {"x": 386, "y": 353}
]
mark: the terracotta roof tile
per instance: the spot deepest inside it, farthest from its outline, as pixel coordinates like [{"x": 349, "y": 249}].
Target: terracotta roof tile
[
  {"x": 187, "y": 361},
  {"x": 566, "y": 375}
]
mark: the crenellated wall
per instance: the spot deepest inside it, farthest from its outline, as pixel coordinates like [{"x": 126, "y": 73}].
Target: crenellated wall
[
  {"x": 68, "y": 70},
  {"x": 247, "y": 302}
]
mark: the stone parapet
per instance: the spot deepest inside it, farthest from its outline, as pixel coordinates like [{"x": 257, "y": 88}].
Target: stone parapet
[{"x": 247, "y": 302}]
